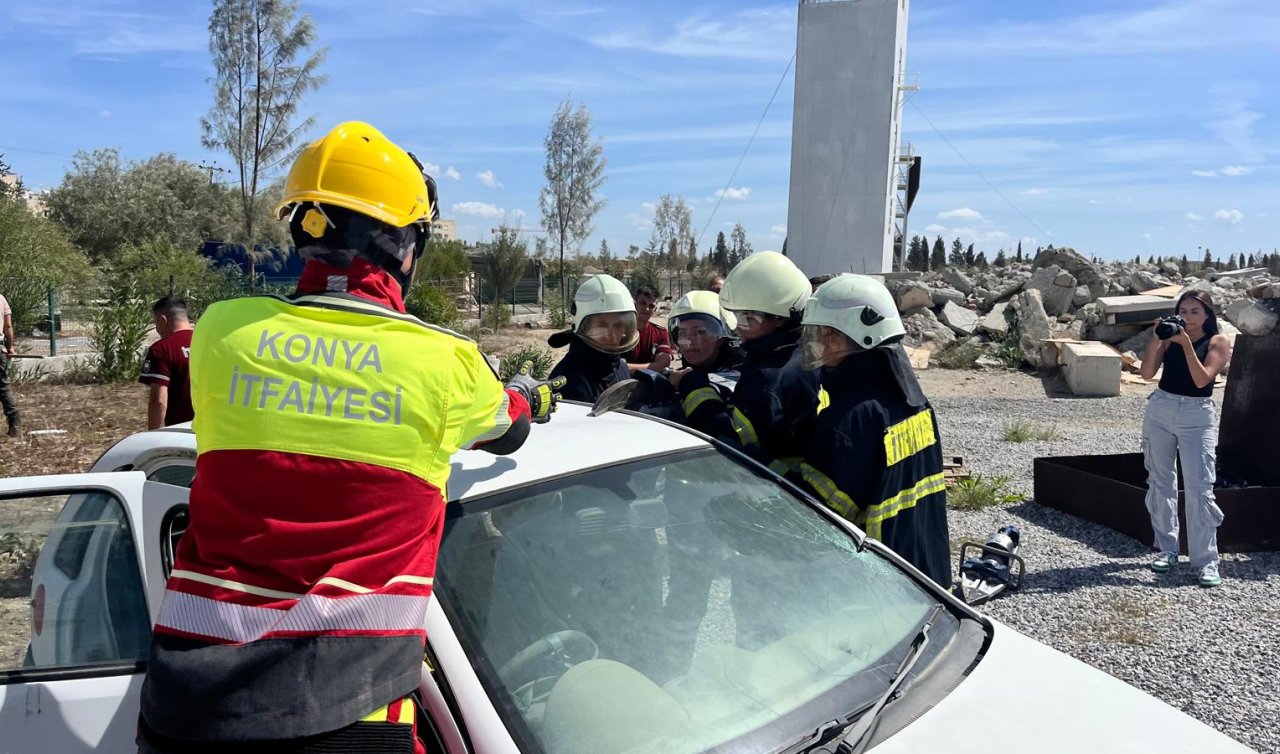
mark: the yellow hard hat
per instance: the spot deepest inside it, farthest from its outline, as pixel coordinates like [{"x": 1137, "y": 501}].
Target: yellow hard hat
[{"x": 356, "y": 167}]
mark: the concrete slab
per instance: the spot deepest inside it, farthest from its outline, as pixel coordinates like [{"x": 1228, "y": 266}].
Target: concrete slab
[
  {"x": 1091, "y": 369},
  {"x": 1122, "y": 310}
]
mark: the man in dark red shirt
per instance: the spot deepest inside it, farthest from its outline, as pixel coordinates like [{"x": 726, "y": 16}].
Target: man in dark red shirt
[
  {"x": 166, "y": 368},
  {"x": 654, "y": 350}
]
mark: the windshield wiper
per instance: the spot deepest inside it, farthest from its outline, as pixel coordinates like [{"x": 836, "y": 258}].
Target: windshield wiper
[{"x": 855, "y": 741}]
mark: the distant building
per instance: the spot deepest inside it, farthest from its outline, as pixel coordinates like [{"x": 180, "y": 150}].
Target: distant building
[
  {"x": 35, "y": 202},
  {"x": 444, "y": 230}
]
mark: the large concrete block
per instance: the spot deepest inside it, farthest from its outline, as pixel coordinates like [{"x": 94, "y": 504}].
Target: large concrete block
[
  {"x": 1091, "y": 369},
  {"x": 963, "y": 321}
]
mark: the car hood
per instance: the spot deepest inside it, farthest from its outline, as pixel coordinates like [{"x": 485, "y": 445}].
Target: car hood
[{"x": 1026, "y": 697}]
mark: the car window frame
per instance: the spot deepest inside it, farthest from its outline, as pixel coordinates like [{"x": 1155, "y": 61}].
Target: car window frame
[{"x": 24, "y": 675}]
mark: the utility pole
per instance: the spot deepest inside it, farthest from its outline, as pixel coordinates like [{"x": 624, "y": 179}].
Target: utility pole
[{"x": 212, "y": 169}]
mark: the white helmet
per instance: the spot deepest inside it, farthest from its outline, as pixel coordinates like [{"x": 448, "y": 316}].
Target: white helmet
[
  {"x": 768, "y": 282},
  {"x": 702, "y": 305},
  {"x": 604, "y": 315},
  {"x": 858, "y": 306}
]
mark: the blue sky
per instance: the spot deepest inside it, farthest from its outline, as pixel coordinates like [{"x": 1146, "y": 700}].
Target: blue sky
[{"x": 1119, "y": 128}]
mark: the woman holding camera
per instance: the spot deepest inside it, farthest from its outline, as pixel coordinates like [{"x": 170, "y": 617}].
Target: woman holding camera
[{"x": 1182, "y": 421}]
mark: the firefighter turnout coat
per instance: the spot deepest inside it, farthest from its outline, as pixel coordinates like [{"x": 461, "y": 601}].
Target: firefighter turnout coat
[
  {"x": 877, "y": 461},
  {"x": 324, "y": 428}
]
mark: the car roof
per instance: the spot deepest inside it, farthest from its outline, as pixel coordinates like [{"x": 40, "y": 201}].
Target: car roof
[{"x": 571, "y": 442}]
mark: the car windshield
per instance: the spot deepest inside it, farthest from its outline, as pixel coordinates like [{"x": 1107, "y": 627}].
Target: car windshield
[{"x": 668, "y": 605}]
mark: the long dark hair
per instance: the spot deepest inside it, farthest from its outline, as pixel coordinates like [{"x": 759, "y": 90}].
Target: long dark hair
[{"x": 1211, "y": 318}]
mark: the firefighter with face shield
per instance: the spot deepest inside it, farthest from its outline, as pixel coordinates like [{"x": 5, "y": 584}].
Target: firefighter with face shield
[
  {"x": 605, "y": 327},
  {"x": 874, "y": 454},
  {"x": 325, "y": 421},
  {"x": 775, "y": 397}
]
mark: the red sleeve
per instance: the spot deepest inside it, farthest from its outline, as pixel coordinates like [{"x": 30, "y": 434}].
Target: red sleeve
[
  {"x": 662, "y": 343},
  {"x": 155, "y": 367}
]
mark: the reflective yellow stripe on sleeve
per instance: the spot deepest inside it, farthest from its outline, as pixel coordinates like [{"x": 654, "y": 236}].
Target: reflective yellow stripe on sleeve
[
  {"x": 695, "y": 399},
  {"x": 403, "y": 716},
  {"x": 830, "y": 494},
  {"x": 824, "y": 399},
  {"x": 742, "y": 426},
  {"x": 908, "y": 437},
  {"x": 902, "y": 501}
]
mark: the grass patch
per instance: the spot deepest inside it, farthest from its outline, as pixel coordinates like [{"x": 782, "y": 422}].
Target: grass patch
[
  {"x": 978, "y": 492},
  {"x": 1020, "y": 430},
  {"x": 958, "y": 355},
  {"x": 1008, "y": 348}
]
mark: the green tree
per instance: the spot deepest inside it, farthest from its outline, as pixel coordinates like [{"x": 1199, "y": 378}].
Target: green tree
[
  {"x": 263, "y": 65},
  {"x": 9, "y": 190},
  {"x": 1001, "y": 259},
  {"x": 574, "y": 171},
  {"x": 956, "y": 257},
  {"x": 673, "y": 227},
  {"x": 981, "y": 260},
  {"x": 1151, "y": 260},
  {"x": 720, "y": 254},
  {"x": 35, "y": 255},
  {"x": 1183, "y": 265},
  {"x": 158, "y": 267},
  {"x": 1018, "y": 256},
  {"x": 444, "y": 260},
  {"x": 105, "y": 204},
  {"x": 970, "y": 259},
  {"x": 739, "y": 246},
  {"x": 505, "y": 260},
  {"x": 1208, "y": 259},
  {"x": 938, "y": 259}
]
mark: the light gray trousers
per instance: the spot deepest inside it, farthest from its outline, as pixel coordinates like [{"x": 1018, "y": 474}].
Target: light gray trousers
[{"x": 1179, "y": 426}]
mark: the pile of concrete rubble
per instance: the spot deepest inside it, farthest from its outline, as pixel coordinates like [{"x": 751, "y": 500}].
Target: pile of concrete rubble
[{"x": 1062, "y": 296}]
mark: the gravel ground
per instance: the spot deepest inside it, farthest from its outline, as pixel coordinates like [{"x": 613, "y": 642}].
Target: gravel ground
[{"x": 1213, "y": 653}]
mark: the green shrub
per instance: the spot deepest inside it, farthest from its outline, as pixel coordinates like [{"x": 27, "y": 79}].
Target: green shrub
[
  {"x": 496, "y": 316},
  {"x": 1008, "y": 347},
  {"x": 157, "y": 268},
  {"x": 557, "y": 312},
  {"x": 119, "y": 330},
  {"x": 958, "y": 355},
  {"x": 22, "y": 373},
  {"x": 431, "y": 304},
  {"x": 976, "y": 492},
  {"x": 1020, "y": 430},
  {"x": 541, "y": 358}
]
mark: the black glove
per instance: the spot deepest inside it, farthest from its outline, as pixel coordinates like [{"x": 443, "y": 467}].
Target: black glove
[{"x": 541, "y": 394}]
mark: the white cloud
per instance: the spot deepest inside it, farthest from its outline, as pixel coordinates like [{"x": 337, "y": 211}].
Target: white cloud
[
  {"x": 1193, "y": 217},
  {"x": 1146, "y": 235},
  {"x": 478, "y": 209},
  {"x": 489, "y": 179},
  {"x": 934, "y": 228},
  {"x": 756, "y": 34},
  {"x": 778, "y": 230},
  {"x": 1233, "y": 216},
  {"x": 1205, "y": 173},
  {"x": 734, "y": 193},
  {"x": 105, "y": 113},
  {"x": 1036, "y": 191},
  {"x": 964, "y": 213},
  {"x": 452, "y": 172},
  {"x": 1234, "y": 170}
]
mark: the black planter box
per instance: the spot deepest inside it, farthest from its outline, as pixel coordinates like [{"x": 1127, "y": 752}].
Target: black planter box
[{"x": 1111, "y": 490}]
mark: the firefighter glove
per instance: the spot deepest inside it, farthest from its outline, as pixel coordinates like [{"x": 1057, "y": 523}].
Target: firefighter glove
[{"x": 541, "y": 394}]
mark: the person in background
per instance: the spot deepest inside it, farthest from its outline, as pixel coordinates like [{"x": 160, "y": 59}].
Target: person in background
[
  {"x": 653, "y": 351},
  {"x": 1182, "y": 422},
  {"x": 874, "y": 454},
  {"x": 166, "y": 369},
  {"x": 604, "y": 328},
  {"x": 715, "y": 282},
  {"x": 6, "y": 397},
  {"x": 817, "y": 280}
]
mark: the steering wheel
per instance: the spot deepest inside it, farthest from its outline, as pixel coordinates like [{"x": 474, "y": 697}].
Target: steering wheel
[{"x": 562, "y": 650}]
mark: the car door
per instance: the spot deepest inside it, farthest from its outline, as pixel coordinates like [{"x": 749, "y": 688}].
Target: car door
[{"x": 80, "y": 582}]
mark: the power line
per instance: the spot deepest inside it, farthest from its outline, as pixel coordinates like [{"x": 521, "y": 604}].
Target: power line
[
  {"x": 746, "y": 149},
  {"x": 972, "y": 167},
  {"x": 9, "y": 148}
]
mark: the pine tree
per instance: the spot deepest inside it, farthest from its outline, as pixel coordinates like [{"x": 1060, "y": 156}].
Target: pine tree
[
  {"x": 1252, "y": 263},
  {"x": 938, "y": 259},
  {"x": 1184, "y": 266},
  {"x": 1208, "y": 259},
  {"x": 1151, "y": 259},
  {"x": 1001, "y": 259},
  {"x": 956, "y": 257},
  {"x": 720, "y": 254},
  {"x": 981, "y": 260},
  {"x": 1018, "y": 256},
  {"x": 970, "y": 259}
]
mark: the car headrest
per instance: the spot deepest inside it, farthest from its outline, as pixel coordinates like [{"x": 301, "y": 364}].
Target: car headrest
[{"x": 603, "y": 706}]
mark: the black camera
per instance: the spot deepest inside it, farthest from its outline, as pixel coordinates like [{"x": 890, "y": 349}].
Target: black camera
[{"x": 1168, "y": 327}]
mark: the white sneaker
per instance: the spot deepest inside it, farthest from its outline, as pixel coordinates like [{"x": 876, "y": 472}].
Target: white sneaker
[
  {"x": 1164, "y": 562},
  {"x": 1209, "y": 575}
]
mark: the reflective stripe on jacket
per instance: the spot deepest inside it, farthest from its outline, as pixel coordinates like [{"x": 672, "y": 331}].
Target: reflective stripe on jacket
[
  {"x": 324, "y": 428},
  {"x": 877, "y": 461}
]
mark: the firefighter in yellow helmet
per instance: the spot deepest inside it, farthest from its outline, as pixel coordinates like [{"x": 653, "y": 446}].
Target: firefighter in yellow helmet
[
  {"x": 293, "y": 619},
  {"x": 775, "y": 397}
]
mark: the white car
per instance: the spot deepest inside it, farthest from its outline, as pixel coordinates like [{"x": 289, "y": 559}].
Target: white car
[{"x": 620, "y": 584}]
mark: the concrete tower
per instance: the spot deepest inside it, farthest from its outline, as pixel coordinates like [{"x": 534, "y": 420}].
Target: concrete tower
[{"x": 850, "y": 58}]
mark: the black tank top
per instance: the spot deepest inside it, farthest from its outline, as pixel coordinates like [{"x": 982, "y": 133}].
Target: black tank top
[{"x": 1176, "y": 377}]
